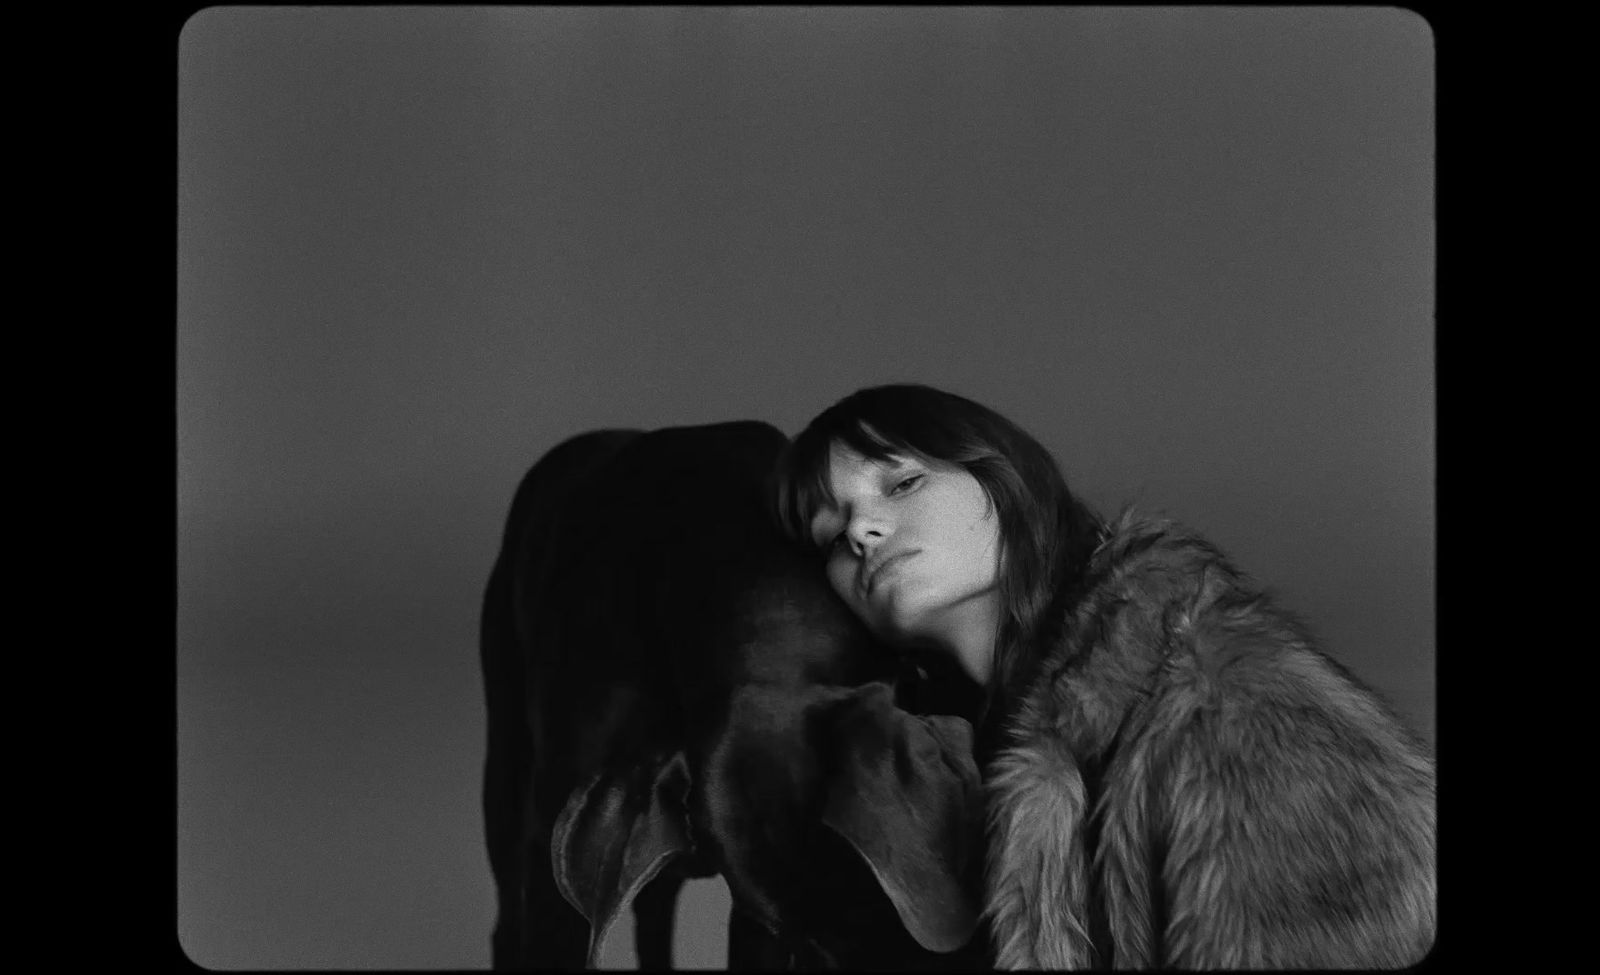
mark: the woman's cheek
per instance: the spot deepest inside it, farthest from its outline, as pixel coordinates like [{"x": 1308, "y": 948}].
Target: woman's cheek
[{"x": 841, "y": 577}]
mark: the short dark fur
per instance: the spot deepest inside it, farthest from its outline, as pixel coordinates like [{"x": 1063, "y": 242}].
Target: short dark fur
[{"x": 673, "y": 691}]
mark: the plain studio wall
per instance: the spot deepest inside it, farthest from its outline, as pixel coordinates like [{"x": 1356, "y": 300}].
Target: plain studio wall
[{"x": 1191, "y": 249}]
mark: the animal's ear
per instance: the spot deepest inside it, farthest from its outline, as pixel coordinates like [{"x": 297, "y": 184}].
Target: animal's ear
[
  {"x": 906, "y": 795},
  {"x": 615, "y": 834}
]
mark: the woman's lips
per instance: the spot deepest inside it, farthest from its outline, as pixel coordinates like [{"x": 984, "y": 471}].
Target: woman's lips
[{"x": 872, "y": 578}]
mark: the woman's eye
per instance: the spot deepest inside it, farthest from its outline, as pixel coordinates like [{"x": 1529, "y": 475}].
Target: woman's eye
[{"x": 905, "y": 483}]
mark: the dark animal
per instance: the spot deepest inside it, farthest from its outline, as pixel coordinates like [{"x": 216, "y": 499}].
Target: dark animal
[
  {"x": 1190, "y": 783},
  {"x": 674, "y": 692}
]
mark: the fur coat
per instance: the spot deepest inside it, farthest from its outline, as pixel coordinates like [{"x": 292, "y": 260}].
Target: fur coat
[{"x": 1188, "y": 782}]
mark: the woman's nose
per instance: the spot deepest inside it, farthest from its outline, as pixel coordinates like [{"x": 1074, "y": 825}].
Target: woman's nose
[{"x": 865, "y": 535}]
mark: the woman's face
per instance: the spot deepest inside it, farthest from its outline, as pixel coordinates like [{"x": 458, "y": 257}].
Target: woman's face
[{"x": 914, "y": 549}]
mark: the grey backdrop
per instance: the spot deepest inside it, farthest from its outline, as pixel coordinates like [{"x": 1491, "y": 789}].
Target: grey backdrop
[{"x": 1191, "y": 249}]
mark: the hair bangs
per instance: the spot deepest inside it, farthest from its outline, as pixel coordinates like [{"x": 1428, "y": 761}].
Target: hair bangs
[
  {"x": 804, "y": 472},
  {"x": 801, "y": 489}
]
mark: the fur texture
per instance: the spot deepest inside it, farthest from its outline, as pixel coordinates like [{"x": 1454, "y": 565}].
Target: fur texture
[{"x": 1188, "y": 782}]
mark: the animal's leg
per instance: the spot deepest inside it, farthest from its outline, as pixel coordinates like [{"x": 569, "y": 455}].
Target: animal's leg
[
  {"x": 654, "y": 912},
  {"x": 509, "y": 754},
  {"x": 752, "y": 948},
  {"x": 501, "y": 806}
]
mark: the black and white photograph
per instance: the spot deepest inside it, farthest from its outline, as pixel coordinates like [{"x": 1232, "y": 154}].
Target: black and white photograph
[{"x": 806, "y": 487}]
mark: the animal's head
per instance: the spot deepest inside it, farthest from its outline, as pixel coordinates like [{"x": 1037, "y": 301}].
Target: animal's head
[
  {"x": 846, "y": 826},
  {"x": 861, "y": 850}
]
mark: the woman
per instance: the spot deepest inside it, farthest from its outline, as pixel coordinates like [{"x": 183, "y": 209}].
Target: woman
[{"x": 1175, "y": 775}]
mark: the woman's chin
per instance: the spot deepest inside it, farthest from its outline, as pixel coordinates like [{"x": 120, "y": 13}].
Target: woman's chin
[{"x": 897, "y": 617}]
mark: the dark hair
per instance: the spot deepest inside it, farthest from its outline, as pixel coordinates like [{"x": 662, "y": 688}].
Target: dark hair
[{"x": 1046, "y": 534}]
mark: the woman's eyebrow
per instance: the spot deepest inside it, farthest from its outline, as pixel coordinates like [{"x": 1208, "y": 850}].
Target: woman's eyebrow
[{"x": 897, "y": 463}]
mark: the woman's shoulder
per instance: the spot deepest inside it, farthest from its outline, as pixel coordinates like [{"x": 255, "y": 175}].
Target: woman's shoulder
[
  {"x": 1152, "y": 557},
  {"x": 1134, "y": 532},
  {"x": 1156, "y": 585}
]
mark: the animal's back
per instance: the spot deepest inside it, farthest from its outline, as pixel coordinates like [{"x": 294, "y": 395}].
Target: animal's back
[
  {"x": 573, "y": 672},
  {"x": 512, "y": 821},
  {"x": 630, "y": 549}
]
